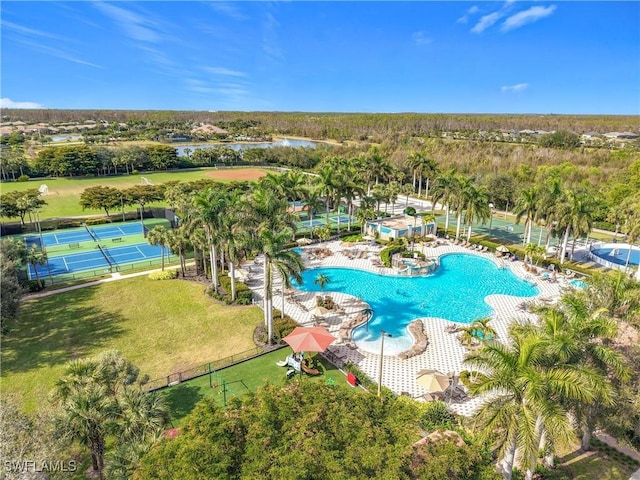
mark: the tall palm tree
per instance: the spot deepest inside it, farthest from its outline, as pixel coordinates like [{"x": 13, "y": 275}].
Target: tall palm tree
[
  {"x": 210, "y": 206},
  {"x": 86, "y": 418},
  {"x": 422, "y": 167},
  {"x": 312, "y": 203},
  {"x": 179, "y": 242},
  {"x": 269, "y": 226},
  {"x": 36, "y": 258},
  {"x": 527, "y": 204},
  {"x": 321, "y": 280},
  {"x": 443, "y": 191},
  {"x": 521, "y": 397},
  {"x": 574, "y": 215},
  {"x": 476, "y": 206},
  {"x": 159, "y": 236},
  {"x": 288, "y": 267}
]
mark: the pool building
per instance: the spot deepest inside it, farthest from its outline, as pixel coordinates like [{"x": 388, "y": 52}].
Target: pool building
[{"x": 392, "y": 228}]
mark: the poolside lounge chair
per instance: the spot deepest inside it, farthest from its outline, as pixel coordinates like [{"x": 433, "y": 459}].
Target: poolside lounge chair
[{"x": 485, "y": 249}]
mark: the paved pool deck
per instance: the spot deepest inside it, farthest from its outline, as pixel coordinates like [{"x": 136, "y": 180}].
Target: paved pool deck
[{"x": 444, "y": 352}]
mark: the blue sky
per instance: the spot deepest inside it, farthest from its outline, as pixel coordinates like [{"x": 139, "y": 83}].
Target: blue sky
[{"x": 478, "y": 57}]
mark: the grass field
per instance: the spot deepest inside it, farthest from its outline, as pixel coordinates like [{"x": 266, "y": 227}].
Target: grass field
[
  {"x": 240, "y": 379},
  {"x": 593, "y": 465},
  {"x": 161, "y": 326},
  {"x": 63, "y": 199}
]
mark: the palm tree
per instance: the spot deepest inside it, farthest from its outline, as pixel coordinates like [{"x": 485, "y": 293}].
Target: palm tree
[
  {"x": 86, "y": 417},
  {"x": 522, "y": 392},
  {"x": 321, "y": 280},
  {"x": 580, "y": 334},
  {"x": 476, "y": 206},
  {"x": 534, "y": 251},
  {"x": 574, "y": 214},
  {"x": 288, "y": 268},
  {"x": 410, "y": 211},
  {"x": 527, "y": 204},
  {"x": 483, "y": 330},
  {"x": 159, "y": 236},
  {"x": 269, "y": 226},
  {"x": 210, "y": 206},
  {"x": 443, "y": 190},
  {"x": 406, "y": 190},
  {"x": 36, "y": 258},
  {"x": 422, "y": 167},
  {"x": 178, "y": 242},
  {"x": 311, "y": 196}
]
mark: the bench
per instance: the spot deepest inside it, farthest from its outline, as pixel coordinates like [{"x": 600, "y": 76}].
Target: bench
[
  {"x": 116, "y": 240},
  {"x": 74, "y": 245}
]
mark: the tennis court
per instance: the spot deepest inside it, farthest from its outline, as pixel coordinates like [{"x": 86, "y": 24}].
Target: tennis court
[
  {"x": 85, "y": 234},
  {"x": 110, "y": 260}
]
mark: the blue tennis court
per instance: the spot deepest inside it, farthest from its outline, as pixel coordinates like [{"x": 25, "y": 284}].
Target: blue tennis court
[
  {"x": 95, "y": 260},
  {"x": 81, "y": 234},
  {"x": 343, "y": 219}
]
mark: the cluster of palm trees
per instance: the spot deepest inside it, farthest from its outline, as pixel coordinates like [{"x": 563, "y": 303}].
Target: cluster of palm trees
[
  {"x": 101, "y": 397},
  {"x": 552, "y": 378}
]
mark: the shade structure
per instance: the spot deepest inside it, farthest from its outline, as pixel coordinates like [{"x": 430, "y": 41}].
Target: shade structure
[
  {"x": 319, "y": 311},
  {"x": 304, "y": 241},
  {"x": 432, "y": 380},
  {"x": 502, "y": 249},
  {"x": 368, "y": 237},
  {"x": 309, "y": 339}
]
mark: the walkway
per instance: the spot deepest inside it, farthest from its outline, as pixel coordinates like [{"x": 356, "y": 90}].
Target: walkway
[
  {"x": 114, "y": 277},
  {"x": 444, "y": 353}
]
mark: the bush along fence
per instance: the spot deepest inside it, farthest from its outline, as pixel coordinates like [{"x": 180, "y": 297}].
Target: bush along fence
[{"x": 208, "y": 368}]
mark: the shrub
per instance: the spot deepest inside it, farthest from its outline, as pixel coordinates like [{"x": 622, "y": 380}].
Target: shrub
[
  {"x": 134, "y": 172},
  {"x": 387, "y": 253},
  {"x": 244, "y": 297},
  {"x": 23, "y": 178},
  {"x": 283, "y": 327},
  {"x": 435, "y": 415},
  {"x": 163, "y": 275}
]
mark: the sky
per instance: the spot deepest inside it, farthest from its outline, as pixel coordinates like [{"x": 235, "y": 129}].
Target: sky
[{"x": 559, "y": 57}]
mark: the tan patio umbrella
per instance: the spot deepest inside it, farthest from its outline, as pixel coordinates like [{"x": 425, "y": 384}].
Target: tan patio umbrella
[
  {"x": 304, "y": 241},
  {"x": 432, "y": 380},
  {"x": 319, "y": 311},
  {"x": 502, "y": 249}
]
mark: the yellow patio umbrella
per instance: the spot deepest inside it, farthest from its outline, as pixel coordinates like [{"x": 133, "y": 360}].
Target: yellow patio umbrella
[{"x": 433, "y": 380}]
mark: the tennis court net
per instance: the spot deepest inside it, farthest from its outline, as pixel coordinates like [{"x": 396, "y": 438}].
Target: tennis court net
[{"x": 90, "y": 232}]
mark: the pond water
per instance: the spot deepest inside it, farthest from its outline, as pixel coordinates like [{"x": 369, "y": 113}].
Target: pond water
[{"x": 245, "y": 146}]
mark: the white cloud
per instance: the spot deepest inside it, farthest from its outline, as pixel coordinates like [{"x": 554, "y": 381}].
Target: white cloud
[
  {"x": 518, "y": 87},
  {"x": 228, "y": 9},
  {"x": 465, "y": 18},
  {"x": 29, "y": 32},
  {"x": 486, "y": 21},
  {"x": 420, "y": 38},
  {"x": 527, "y": 16},
  {"x": 224, "y": 71},
  {"x": 8, "y": 103},
  {"x": 135, "y": 26}
]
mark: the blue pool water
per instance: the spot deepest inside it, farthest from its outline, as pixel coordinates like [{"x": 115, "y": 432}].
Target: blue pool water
[
  {"x": 578, "y": 283},
  {"x": 455, "y": 292},
  {"x": 619, "y": 254}
]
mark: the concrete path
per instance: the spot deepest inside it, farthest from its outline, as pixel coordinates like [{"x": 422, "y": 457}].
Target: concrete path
[{"x": 114, "y": 277}]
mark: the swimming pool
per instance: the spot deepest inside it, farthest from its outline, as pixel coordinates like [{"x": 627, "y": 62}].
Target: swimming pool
[
  {"x": 456, "y": 292},
  {"x": 616, "y": 253}
]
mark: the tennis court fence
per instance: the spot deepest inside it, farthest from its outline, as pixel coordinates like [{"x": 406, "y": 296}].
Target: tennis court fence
[
  {"x": 208, "y": 368},
  {"x": 105, "y": 271}
]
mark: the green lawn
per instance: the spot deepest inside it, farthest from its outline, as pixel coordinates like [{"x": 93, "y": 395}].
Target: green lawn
[
  {"x": 161, "y": 326},
  {"x": 594, "y": 466},
  {"x": 239, "y": 379},
  {"x": 63, "y": 199}
]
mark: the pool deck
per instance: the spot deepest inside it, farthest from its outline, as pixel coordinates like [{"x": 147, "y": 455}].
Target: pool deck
[{"x": 444, "y": 352}]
